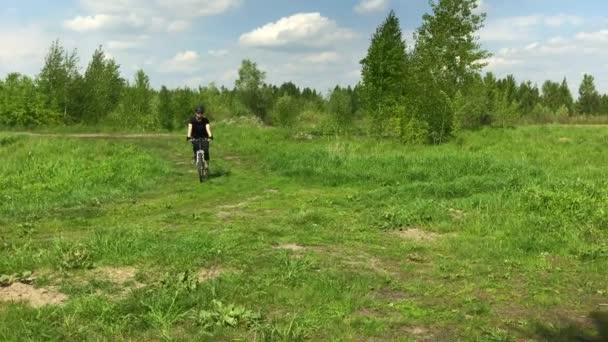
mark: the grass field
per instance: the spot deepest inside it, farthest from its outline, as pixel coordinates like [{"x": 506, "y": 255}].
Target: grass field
[{"x": 500, "y": 235}]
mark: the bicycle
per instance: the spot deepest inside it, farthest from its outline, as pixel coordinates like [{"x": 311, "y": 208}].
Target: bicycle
[{"x": 201, "y": 163}]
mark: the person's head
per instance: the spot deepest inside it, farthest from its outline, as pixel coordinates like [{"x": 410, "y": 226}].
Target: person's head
[{"x": 199, "y": 111}]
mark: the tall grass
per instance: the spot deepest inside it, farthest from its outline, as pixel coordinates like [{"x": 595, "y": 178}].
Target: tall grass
[
  {"x": 40, "y": 174},
  {"x": 543, "y": 187}
]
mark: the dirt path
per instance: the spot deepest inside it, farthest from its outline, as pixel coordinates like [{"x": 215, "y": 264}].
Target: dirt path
[{"x": 96, "y": 135}]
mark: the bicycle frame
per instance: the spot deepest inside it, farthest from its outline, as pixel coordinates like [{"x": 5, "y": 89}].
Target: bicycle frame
[{"x": 201, "y": 163}]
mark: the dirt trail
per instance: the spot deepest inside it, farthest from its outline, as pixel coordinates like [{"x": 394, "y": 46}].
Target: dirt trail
[{"x": 96, "y": 135}]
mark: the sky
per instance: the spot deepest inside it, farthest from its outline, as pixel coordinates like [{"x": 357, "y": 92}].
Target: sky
[{"x": 314, "y": 43}]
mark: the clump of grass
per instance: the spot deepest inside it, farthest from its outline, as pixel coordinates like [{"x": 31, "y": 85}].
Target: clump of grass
[
  {"x": 39, "y": 174},
  {"x": 75, "y": 257}
]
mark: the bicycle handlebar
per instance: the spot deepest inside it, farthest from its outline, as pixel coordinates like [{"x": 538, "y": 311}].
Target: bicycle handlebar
[{"x": 199, "y": 139}]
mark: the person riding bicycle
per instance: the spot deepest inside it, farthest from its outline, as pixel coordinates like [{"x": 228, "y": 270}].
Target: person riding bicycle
[{"x": 199, "y": 128}]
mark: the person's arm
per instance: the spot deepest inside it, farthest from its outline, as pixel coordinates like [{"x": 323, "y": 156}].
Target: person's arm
[
  {"x": 208, "y": 128},
  {"x": 189, "y": 131}
]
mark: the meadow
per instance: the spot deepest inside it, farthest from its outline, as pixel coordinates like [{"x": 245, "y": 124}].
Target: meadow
[{"x": 498, "y": 235}]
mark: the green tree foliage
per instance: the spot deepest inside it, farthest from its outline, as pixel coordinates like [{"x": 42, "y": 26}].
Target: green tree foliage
[
  {"x": 249, "y": 88},
  {"x": 528, "y": 97},
  {"x": 604, "y": 105},
  {"x": 285, "y": 111},
  {"x": 166, "y": 116},
  {"x": 21, "y": 104},
  {"x": 508, "y": 86},
  {"x": 490, "y": 85},
  {"x": 447, "y": 49},
  {"x": 589, "y": 98},
  {"x": 289, "y": 88},
  {"x": 566, "y": 96},
  {"x": 552, "y": 97},
  {"x": 341, "y": 106},
  {"x": 142, "y": 94},
  {"x": 384, "y": 73},
  {"x": 446, "y": 59},
  {"x": 506, "y": 112},
  {"x": 471, "y": 108},
  {"x": 103, "y": 87},
  {"x": 57, "y": 79},
  {"x": 183, "y": 102},
  {"x": 135, "y": 108}
]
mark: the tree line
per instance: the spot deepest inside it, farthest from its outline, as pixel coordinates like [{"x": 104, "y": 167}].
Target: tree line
[
  {"x": 430, "y": 91},
  {"x": 425, "y": 92}
]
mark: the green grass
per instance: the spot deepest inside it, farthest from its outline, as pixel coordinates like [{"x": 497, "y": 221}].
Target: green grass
[
  {"x": 41, "y": 174},
  {"x": 516, "y": 248}
]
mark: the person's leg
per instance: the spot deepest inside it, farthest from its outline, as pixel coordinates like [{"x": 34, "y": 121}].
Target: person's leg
[{"x": 194, "y": 153}]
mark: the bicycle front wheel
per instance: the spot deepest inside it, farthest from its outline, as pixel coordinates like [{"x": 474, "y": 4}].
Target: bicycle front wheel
[{"x": 200, "y": 165}]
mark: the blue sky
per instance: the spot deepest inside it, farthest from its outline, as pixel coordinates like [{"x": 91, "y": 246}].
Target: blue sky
[{"x": 314, "y": 43}]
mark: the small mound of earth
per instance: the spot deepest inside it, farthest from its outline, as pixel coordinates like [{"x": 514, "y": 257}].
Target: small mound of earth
[
  {"x": 418, "y": 235},
  {"x": 291, "y": 247},
  {"x": 207, "y": 274},
  {"x": 118, "y": 275},
  {"x": 419, "y": 332},
  {"x": 225, "y": 214},
  {"x": 36, "y": 297}
]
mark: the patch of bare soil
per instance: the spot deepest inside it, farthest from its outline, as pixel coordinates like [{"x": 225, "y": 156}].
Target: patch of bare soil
[
  {"x": 226, "y": 214},
  {"x": 358, "y": 260},
  {"x": 232, "y": 158},
  {"x": 291, "y": 247},
  {"x": 240, "y": 204},
  {"x": 420, "y": 333},
  {"x": 390, "y": 295},
  {"x": 417, "y": 235},
  {"x": 36, "y": 297},
  {"x": 118, "y": 275},
  {"x": 369, "y": 313},
  {"x": 207, "y": 274}
]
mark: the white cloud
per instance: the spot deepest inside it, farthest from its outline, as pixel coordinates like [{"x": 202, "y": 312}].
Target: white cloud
[
  {"x": 371, "y": 6},
  {"x": 22, "y": 47},
  {"x": 178, "y": 26},
  {"x": 92, "y": 23},
  {"x": 520, "y": 28},
  {"x": 597, "y": 36},
  {"x": 532, "y": 46},
  {"x": 197, "y": 8},
  {"x": 174, "y": 8},
  {"x": 496, "y": 62},
  {"x": 322, "y": 58},
  {"x": 563, "y": 19},
  {"x": 508, "y": 29},
  {"x": 186, "y": 61},
  {"x": 218, "y": 53},
  {"x": 302, "y": 30},
  {"x": 229, "y": 76},
  {"x": 127, "y": 44},
  {"x": 555, "y": 58},
  {"x": 187, "y": 56},
  {"x": 158, "y": 15}
]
